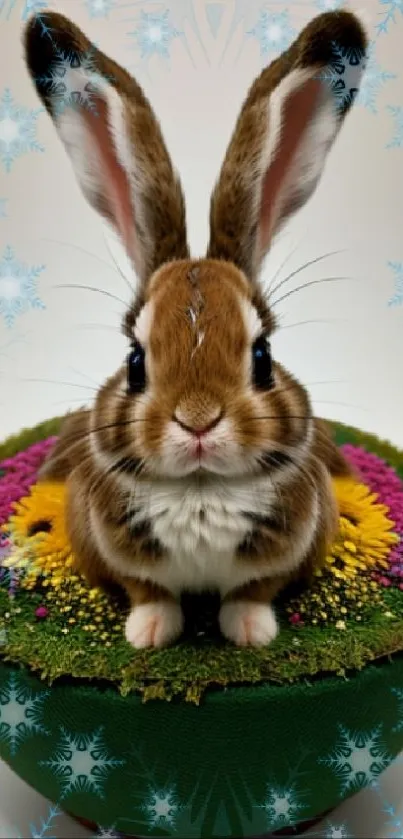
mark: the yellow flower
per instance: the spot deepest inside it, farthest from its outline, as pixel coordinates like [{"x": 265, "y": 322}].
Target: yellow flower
[
  {"x": 39, "y": 536},
  {"x": 41, "y": 549},
  {"x": 365, "y": 535}
]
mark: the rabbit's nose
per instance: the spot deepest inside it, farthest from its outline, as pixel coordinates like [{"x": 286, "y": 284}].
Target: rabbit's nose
[{"x": 201, "y": 428}]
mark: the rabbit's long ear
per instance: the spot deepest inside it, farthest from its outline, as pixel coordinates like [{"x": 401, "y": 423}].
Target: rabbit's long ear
[
  {"x": 112, "y": 138},
  {"x": 286, "y": 127}
]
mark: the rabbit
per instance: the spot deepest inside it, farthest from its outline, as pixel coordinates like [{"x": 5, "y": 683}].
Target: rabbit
[{"x": 200, "y": 466}]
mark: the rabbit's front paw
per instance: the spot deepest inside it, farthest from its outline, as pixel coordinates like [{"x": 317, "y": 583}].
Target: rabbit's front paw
[
  {"x": 247, "y": 623},
  {"x": 154, "y": 624}
]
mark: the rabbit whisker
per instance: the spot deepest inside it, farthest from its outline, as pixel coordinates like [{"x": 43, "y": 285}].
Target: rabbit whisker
[
  {"x": 302, "y": 268},
  {"x": 306, "y": 285},
  {"x": 118, "y": 268},
  {"x": 305, "y": 322},
  {"x": 93, "y": 255},
  {"x": 59, "y": 382},
  {"x": 93, "y": 288}
]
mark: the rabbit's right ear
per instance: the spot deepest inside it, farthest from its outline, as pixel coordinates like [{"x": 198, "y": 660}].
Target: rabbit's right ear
[
  {"x": 112, "y": 138},
  {"x": 286, "y": 127}
]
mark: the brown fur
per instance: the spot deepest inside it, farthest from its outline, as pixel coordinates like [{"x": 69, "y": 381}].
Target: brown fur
[{"x": 123, "y": 435}]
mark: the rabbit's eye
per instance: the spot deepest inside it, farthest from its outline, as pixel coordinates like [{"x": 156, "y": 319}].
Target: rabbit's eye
[
  {"x": 262, "y": 364},
  {"x": 136, "y": 370}
]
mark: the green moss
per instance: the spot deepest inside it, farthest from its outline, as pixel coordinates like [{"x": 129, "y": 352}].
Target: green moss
[
  {"x": 200, "y": 661},
  {"x": 191, "y": 666},
  {"x": 18, "y": 442}
]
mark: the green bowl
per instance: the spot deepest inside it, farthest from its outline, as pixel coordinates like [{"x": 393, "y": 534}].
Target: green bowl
[{"x": 254, "y": 755}]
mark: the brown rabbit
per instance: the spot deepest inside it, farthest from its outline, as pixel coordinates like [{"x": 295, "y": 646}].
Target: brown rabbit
[{"x": 200, "y": 465}]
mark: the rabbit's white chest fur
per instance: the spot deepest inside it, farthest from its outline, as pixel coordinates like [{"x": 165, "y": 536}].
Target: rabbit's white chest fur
[{"x": 200, "y": 527}]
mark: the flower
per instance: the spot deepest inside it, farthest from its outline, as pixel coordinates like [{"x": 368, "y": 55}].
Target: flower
[
  {"x": 382, "y": 479},
  {"x": 42, "y": 554},
  {"x": 348, "y": 584},
  {"x": 365, "y": 536},
  {"x": 38, "y": 533}
]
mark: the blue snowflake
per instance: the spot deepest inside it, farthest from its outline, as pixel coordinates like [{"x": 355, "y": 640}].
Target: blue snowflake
[
  {"x": 3, "y": 211},
  {"x": 67, "y": 86},
  {"x": 18, "y": 287},
  {"x": 107, "y": 833},
  {"x": 42, "y": 831},
  {"x": 398, "y": 691},
  {"x": 329, "y": 5},
  {"x": 32, "y": 7},
  {"x": 396, "y": 300},
  {"x": 394, "y": 821},
  {"x": 336, "y": 831},
  {"x": 82, "y": 763},
  {"x": 358, "y": 758},
  {"x": 397, "y": 139},
  {"x": 155, "y": 34},
  {"x": 372, "y": 82},
  {"x": 282, "y": 806},
  {"x": 388, "y": 16},
  {"x": 17, "y": 130},
  {"x": 344, "y": 74},
  {"x": 273, "y": 31},
  {"x": 20, "y": 713},
  {"x": 99, "y": 8},
  {"x": 161, "y": 807}
]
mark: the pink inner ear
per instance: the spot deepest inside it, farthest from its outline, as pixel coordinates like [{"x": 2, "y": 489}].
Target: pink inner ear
[
  {"x": 297, "y": 113},
  {"x": 116, "y": 199}
]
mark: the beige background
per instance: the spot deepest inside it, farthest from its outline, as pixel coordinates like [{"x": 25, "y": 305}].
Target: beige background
[{"x": 343, "y": 339}]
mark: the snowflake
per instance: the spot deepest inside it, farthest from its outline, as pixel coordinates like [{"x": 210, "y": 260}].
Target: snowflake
[
  {"x": 154, "y": 34},
  {"x": 17, "y": 130},
  {"x": 394, "y": 821},
  {"x": 397, "y": 139},
  {"x": 344, "y": 74},
  {"x": 273, "y": 31},
  {"x": 336, "y": 831},
  {"x": 20, "y": 713},
  {"x": 373, "y": 80},
  {"x": 282, "y": 806},
  {"x": 107, "y": 833},
  {"x": 161, "y": 807},
  {"x": 18, "y": 287},
  {"x": 71, "y": 81},
  {"x": 388, "y": 16},
  {"x": 33, "y": 6},
  {"x": 396, "y": 300},
  {"x": 46, "y": 824},
  {"x": 329, "y": 5},
  {"x": 99, "y": 8},
  {"x": 398, "y": 691},
  {"x": 3, "y": 212},
  {"x": 358, "y": 759},
  {"x": 82, "y": 763}
]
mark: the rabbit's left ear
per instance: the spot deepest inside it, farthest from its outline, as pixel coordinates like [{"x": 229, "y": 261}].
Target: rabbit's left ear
[
  {"x": 113, "y": 139},
  {"x": 286, "y": 127}
]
